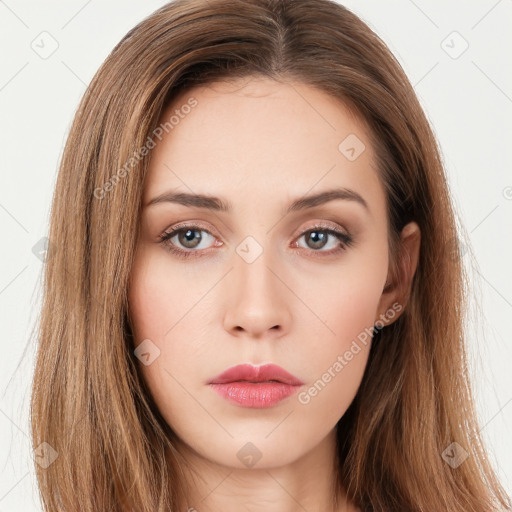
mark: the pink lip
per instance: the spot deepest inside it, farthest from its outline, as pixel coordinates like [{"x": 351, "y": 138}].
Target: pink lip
[{"x": 255, "y": 386}]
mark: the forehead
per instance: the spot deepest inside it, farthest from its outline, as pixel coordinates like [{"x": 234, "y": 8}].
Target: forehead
[{"x": 263, "y": 137}]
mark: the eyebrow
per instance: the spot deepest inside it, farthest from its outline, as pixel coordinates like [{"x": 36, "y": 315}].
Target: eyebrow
[{"x": 221, "y": 205}]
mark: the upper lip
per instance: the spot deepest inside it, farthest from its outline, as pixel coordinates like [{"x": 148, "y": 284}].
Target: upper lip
[{"x": 250, "y": 373}]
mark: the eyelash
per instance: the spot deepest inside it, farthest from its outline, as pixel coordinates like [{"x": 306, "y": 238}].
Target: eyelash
[{"x": 165, "y": 239}]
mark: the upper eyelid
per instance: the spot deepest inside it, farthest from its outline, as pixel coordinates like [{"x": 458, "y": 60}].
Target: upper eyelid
[
  {"x": 324, "y": 225},
  {"x": 318, "y": 224}
]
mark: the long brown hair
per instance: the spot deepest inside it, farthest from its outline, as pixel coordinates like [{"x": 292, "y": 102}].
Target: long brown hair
[{"x": 108, "y": 448}]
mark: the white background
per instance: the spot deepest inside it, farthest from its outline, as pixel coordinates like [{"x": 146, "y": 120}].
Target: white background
[{"x": 468, "y": 100}]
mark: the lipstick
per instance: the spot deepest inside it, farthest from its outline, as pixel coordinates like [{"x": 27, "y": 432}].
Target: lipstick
[{"x": 255, "y": 386}]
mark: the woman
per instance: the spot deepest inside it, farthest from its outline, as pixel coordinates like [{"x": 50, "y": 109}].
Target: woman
[{"x": 254, "y": 302}]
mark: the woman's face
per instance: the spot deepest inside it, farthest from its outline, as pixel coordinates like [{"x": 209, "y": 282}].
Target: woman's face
[{"x": 258, "y": 275}]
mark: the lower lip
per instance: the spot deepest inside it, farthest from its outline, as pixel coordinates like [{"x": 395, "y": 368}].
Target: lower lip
[{"x": 255, "y": 394}]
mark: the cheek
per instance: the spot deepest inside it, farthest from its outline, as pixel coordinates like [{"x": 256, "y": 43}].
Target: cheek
[
  {"x": 160, "y": 295},
  {"x": 163, "y": 309},
  {"x": 352, "y": 307},
  {"x": 346, "y": 296},
  {"x": 349, "y": 302}
]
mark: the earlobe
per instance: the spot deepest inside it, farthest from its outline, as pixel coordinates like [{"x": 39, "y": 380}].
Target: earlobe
[{"x": 399, "y": 283}]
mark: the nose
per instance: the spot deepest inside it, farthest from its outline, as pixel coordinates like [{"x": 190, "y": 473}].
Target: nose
[{"x": 258, "y": 300}]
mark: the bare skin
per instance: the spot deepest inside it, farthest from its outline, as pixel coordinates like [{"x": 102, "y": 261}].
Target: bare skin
[{"x": 300, "y": 303}]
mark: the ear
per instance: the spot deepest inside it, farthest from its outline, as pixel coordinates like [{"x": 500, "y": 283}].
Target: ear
[{"x": 397, "y": 289}]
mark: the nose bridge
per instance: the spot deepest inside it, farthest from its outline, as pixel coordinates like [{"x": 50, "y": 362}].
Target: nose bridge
[
  {"x": 257, "y": 296},
  {"x": 252, "y": 264}
]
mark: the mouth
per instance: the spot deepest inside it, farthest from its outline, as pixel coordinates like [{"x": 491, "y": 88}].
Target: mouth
[
  {"x": 257, "y": 374},
  {"x": 255, "y": 386}
]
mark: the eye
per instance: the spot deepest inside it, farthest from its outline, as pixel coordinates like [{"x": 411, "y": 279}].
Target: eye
[
  {"x": 318, "y": 238},
  {"x": 190, "y": 239}
]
